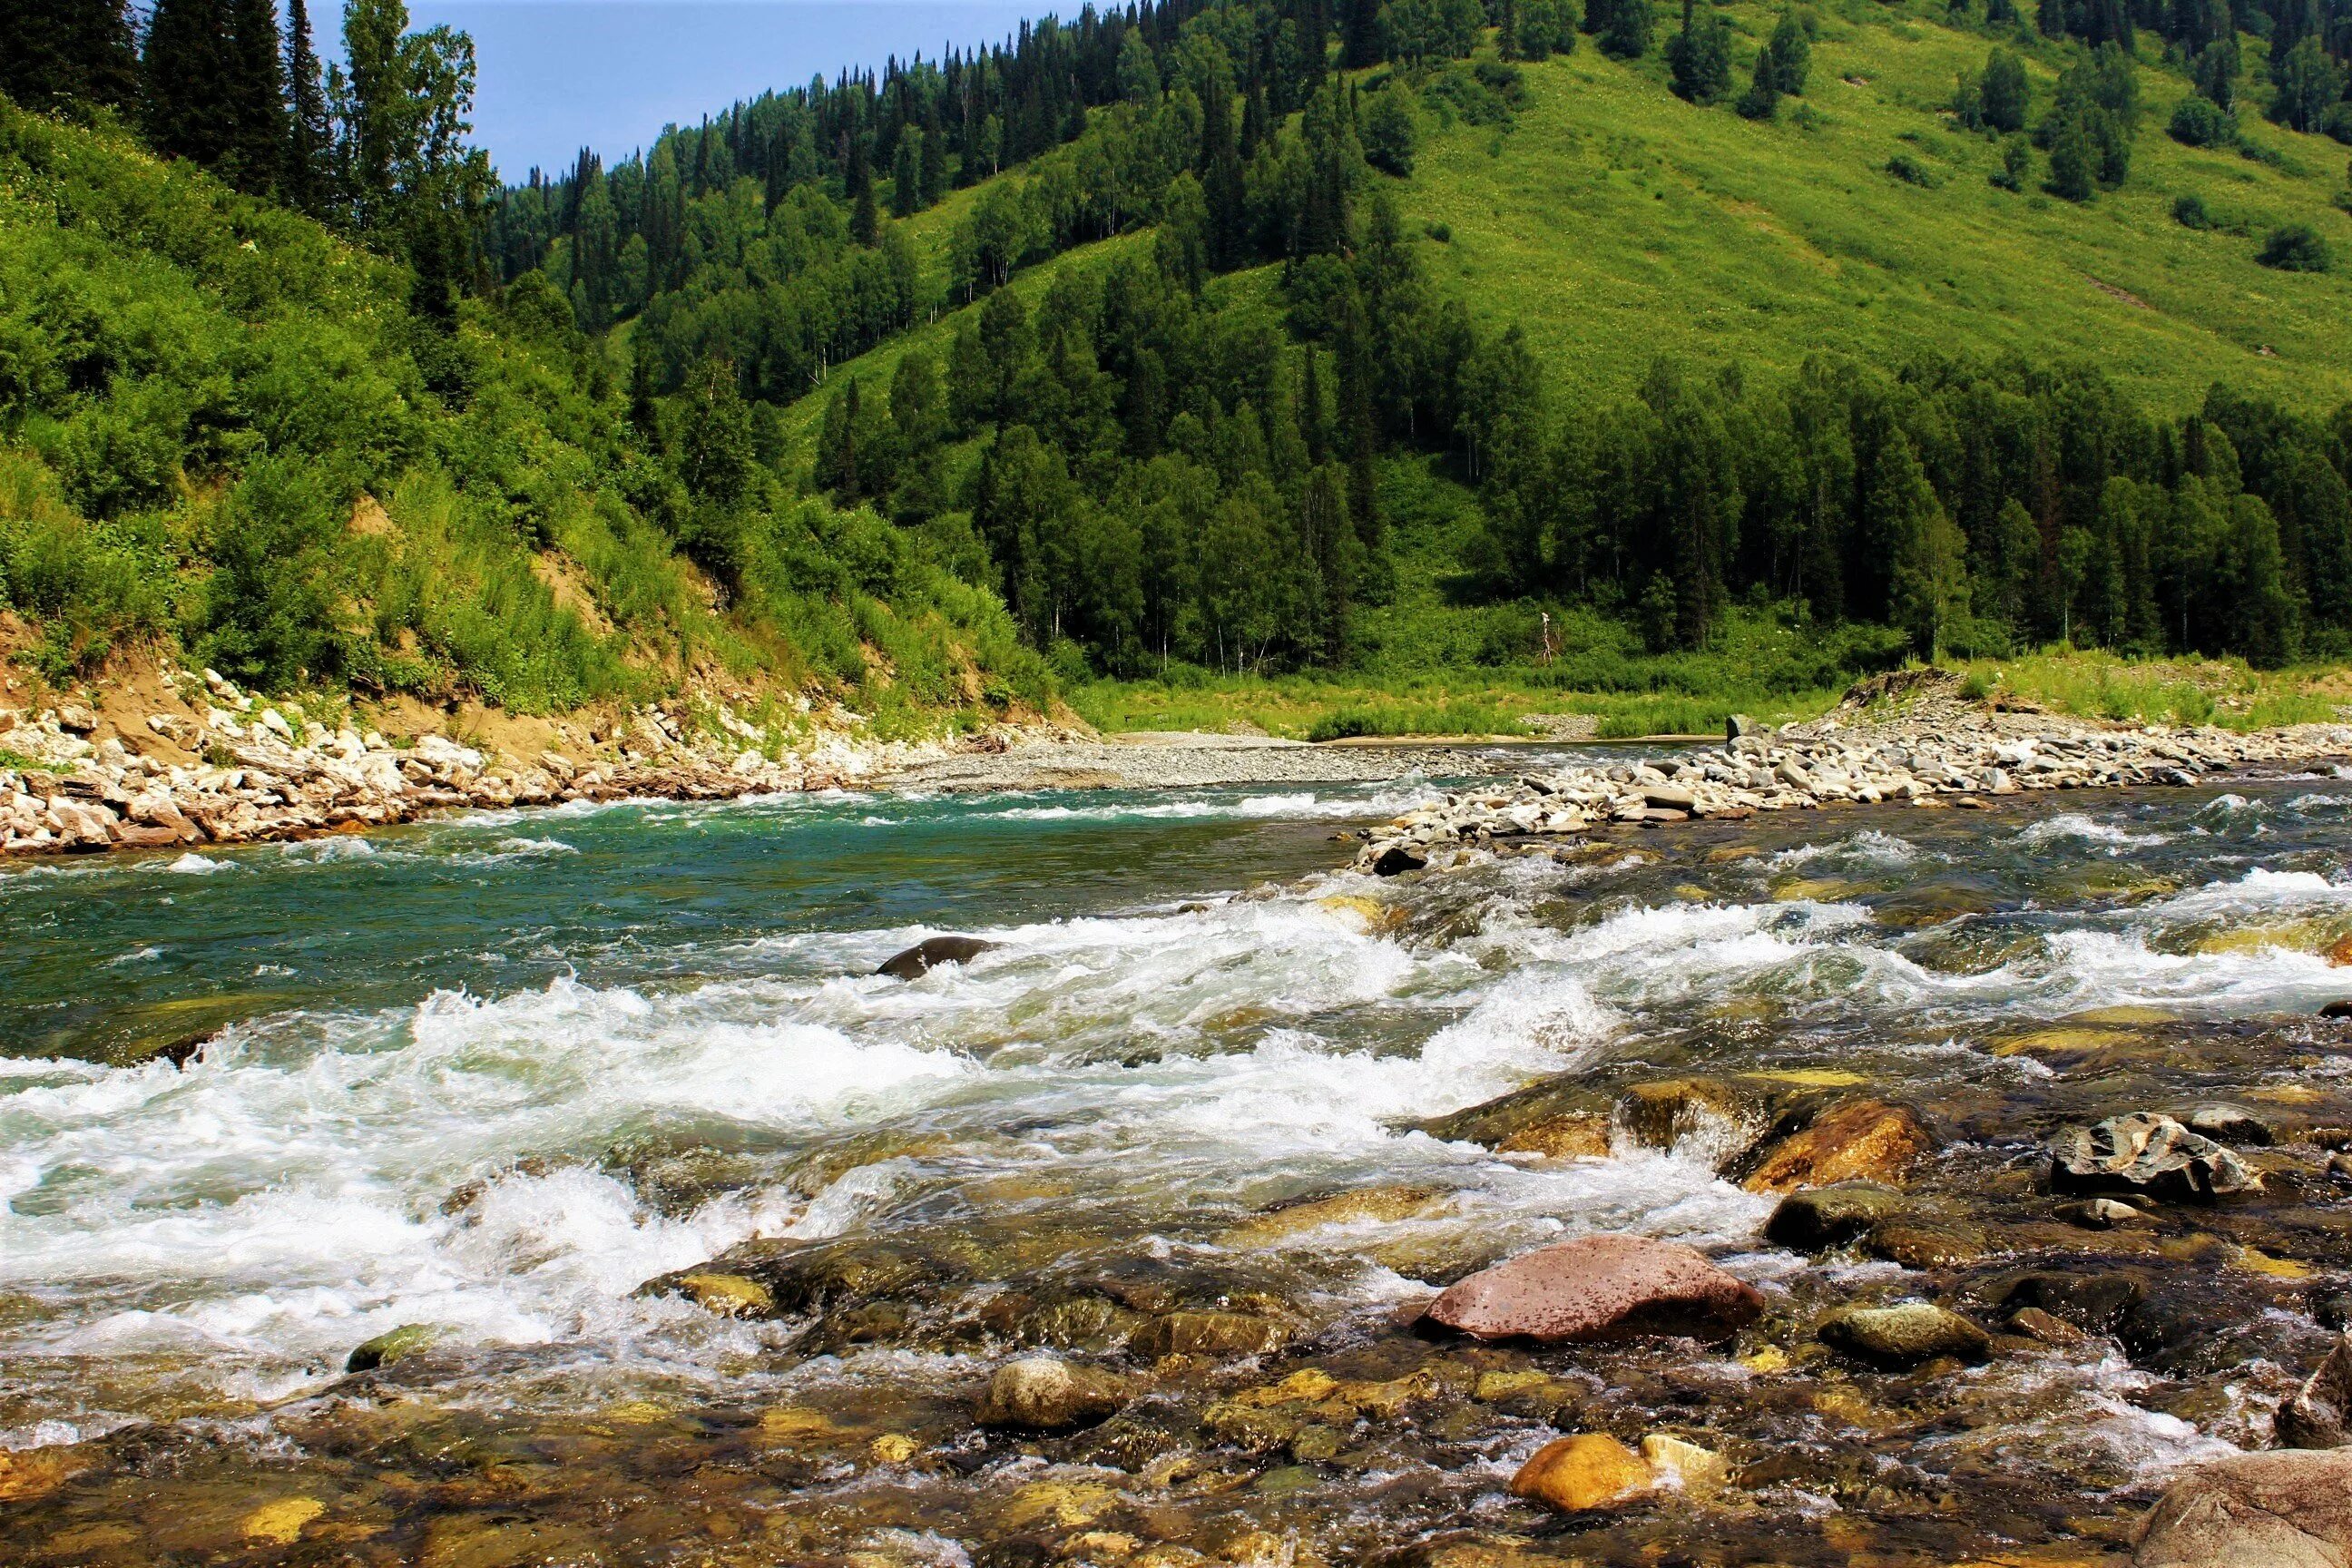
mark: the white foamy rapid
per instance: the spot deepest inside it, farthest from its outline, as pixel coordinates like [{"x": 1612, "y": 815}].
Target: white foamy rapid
[{"x": 241, "y": 1225}]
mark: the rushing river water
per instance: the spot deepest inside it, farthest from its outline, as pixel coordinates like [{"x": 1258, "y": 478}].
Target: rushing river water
[{"x": 496, "y": 1075}]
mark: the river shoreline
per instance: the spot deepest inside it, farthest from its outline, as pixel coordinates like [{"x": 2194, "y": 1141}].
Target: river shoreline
[{"x": 197, "y": 762}]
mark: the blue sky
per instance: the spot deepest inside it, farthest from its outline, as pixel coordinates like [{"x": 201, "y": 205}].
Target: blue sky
[{"x": 559, "y": 75}]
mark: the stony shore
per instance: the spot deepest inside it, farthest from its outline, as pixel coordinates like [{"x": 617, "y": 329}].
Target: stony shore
[
  {"x": 200, "y": 762},
  {"x": 1892, "y": 741}
]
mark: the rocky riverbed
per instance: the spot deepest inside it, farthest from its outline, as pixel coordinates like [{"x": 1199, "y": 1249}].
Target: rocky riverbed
[
  {"x": 200, "y": 762},
  {"x": 1932, "y": 750},
  {"x": 1858, "y": 1185}
]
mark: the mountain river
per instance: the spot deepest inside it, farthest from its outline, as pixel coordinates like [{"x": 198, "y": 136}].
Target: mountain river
[{"x": 504, "y": 1081}]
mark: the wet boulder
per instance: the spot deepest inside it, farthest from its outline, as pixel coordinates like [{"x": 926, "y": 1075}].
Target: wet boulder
[
  {"x": 1396, "y": 859},
  {"x": 1813, "y": 1219},
  {"x": 1046, "y": 1393},
  {"x": 1588, "y": 1470},
  {"x": 2290, "y": 1509},
  {"x": 1212, "y": 1334},
  {"x": 2094, "y": 1303},
  {"x": 1566, "y": 1106},
  {"x": 2150, "y": 1153},
  {"x": 1597, "y": 1287},
  {"x": 2316, "y": 1416},
  {"x": 2226, "y": 1124},
  {"x": 1705, "y": 1115},
  {"x": 1905, "y": 1334},
  {"x": 1856, "y": 1139},
  {"x": 395, "y": 1346},
  {"x": 931, "y": 952},
  {"x": 1363, "y": 1206}
]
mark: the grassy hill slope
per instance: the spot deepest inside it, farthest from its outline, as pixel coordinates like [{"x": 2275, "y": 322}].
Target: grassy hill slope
[{"x": 1615, "y": 222}]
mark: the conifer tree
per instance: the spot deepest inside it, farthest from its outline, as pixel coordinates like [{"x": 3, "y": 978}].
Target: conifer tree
[
  {"x": 189, "y": 64},
  {"x": 308, "y": 137},
  {"x": 1631, "y": 24},
  {"x": 256, "y": 95},
  {"x": 59, "y": 52},
  {"x": 1699, "y": 57}
]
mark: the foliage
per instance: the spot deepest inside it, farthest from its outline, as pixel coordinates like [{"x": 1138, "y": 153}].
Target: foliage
[{"x": 2296, "y": 247}]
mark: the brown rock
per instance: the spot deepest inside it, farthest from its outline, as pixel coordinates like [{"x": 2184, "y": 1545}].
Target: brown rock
[
  {"x": 1380, "y": 1206},
  {"x": 1586, "y": 1471},
  {"x": 1862, "y": 1140},
  {"x": 1724, "y": 1120},
  {"x": 1205, "y": 1334},
  {"x": 2280, "y": 1510},
  {"x": 1572, "y": 1135},
  {"x": 2315, "y": 1417},
  {"x": 1597, "y": 1287},
  {"x": 2145, "y": 1152},
  {"x": 1046, "y": 1393}
]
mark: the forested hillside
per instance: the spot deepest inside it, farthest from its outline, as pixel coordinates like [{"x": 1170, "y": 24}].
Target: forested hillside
[
  {"x": 1258, "y": 336},
  {"x": 329, "y": 449}
]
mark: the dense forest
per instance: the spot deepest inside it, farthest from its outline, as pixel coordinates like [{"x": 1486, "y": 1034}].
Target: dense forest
[{"x": 1174, "y": 453}]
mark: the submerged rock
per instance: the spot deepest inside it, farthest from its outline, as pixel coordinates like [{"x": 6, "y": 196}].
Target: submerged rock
[
  {"x": 727, "y": 1295},
  {"x": 1812, "y": 1218},
  {"x": 2149, "y": 1154},
  {"x": 2099, "y": 1214},
  {"x": 1380, "y": 1206},
  {"x": 1589, "y": 1470},
  {"x": 2315, "y": 1417},
  {"x": 1206, "y": 1334},
  {"x": 2231, "y": 1124},
  {"x": 2284, "y": 1509},
  {"x": 1598, "y": 1287},
  {"x": 396, "y": 1344},
  {"x": 1859, "y": 1140},
  {"x": 932, "y": 951},
  {"x": 1905, "y": 1334},
  {"x": 1046, "y": 1393}
]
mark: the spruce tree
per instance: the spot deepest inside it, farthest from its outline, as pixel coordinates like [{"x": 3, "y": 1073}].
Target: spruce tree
[
  {"x": 2003, "y": 93},
  {"x": 932, "y": 174},
  {"x": 309, "y": 138},
  {"x": 256, "y": 92},
  {"x": 1627, "y": 36},
  {"x": 54, "y": 53},
  {"x": 1700, "y": 55},
  {"x": 189, "y": 64},
  {"x": 907, "y": 176}
]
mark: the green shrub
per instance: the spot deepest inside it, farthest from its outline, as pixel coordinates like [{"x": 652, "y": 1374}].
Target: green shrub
[
  {"x": 2296, "y": 247},
  {"x": 2189, "y": 211},
  {"x": 2198, "y": 121}
]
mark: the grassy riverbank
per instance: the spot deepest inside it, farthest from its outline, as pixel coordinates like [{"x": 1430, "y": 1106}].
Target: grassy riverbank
[{"x": 1532, "y": 701}]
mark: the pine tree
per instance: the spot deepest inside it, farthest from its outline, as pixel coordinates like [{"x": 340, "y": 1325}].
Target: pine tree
[
  {"x": 309, "y": 138},
  {"x": 1631, "y": 24},
  {"x": 907, "y": 176},
  {"x": 932, "y": 174},
  {"x": 1699, "y": 57},
  {"x": 257, "y": 98},
  {"x": 54, "y": 53},
  {"x": 187, "y": 71}
]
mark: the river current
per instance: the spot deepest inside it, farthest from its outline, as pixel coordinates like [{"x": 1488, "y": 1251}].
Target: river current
[{"x": 503, "y": 1075}]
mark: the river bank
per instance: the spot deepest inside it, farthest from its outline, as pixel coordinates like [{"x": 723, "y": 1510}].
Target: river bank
[{"x": 187, "y": 759}]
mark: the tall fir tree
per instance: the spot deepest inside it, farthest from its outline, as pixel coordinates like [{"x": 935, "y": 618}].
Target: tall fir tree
[
  {"x": 190, "y": 60},
  {"x": 309, "y": 138},
  {"x": 55, "y": 52},
  {"x": 257, "y": 93}
]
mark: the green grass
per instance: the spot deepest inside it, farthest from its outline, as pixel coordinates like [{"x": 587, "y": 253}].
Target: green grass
[
  {"x": 1616, "y": 222},
  {"x": 1442, "y": 703},
  {"x": 2225, "y": 692}
]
